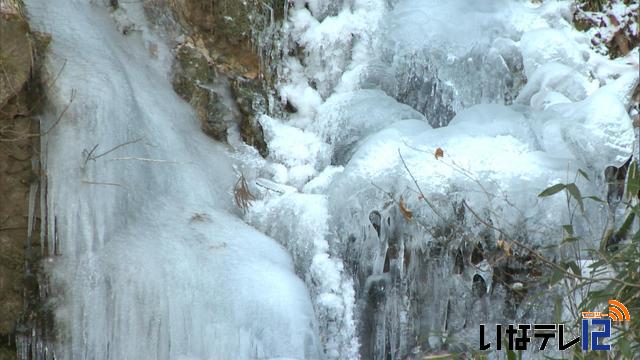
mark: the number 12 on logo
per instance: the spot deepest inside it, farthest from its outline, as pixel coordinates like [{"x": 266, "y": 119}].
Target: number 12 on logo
[{"x": 595, "y": 334}]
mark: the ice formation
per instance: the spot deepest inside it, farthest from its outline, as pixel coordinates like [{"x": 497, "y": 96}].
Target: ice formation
[
  {"x": 512, "y": 94},
  {"x": 153, "y": 262}
]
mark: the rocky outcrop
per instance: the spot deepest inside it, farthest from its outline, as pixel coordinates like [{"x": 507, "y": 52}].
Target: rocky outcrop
[
  {"x": 15, "y": 52},
  {"x": 218, "y": 68},
  {"x": 251, "y": 100},
  {"x": 195, "y": 81},
  {"x": 612, "y": 25},
  {"x": 19, "y": 144}
]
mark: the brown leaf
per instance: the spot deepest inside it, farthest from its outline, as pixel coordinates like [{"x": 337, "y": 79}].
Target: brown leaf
[
  {"x": 505, "y": 246},
  {"x": 408, "y": 215},
  {"x": 439, "y": 153}
]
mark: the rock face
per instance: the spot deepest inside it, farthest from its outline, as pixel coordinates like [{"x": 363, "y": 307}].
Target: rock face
[
  {"x": 19, "y": 49},
  {"x": 218, "y": 70},
  {"x": 250, "y": 101},
  {"x": 15, "y": 52},
  {"x": 195, "y": 82}
]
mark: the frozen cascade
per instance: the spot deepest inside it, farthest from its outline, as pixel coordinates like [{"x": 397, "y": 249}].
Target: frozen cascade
[
  {"x": 526, "y": 102},
  {"x": 440, "y": 66},
  {"x": 152, "y": 261}
]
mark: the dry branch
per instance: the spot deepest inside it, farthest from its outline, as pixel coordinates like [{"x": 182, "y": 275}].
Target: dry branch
[{"x": 242, "y": 195}]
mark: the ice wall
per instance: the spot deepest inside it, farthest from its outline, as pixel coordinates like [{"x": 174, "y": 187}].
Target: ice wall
[
  {"x": 370, "y": 85},
  {"x": 154, "y": 264},
  {"x": 150, "y": 260}
]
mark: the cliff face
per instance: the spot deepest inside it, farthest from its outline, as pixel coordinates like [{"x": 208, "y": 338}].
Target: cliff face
[
  {"x": 19, "y": 144},
  {"x": 218, "y": 68}
]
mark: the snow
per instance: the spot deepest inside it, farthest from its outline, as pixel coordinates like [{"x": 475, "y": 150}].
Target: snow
[
  {"x": 153, "y": 263},
  {"x": 415, "y": 24},
  {"x": 601, "y": 132},
  {"x": 346, "y": 117}
]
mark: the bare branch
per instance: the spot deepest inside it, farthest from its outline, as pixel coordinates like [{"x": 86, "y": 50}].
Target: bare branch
[
  {"x": 422, "y": 195},
  {"x": 103, "y": 183},
  {"x": 268, "y": 188},
  {"x": 147, "y": 160},
  {"x": 539, "y": 256},
  {"x": 22, "y": 137},
  {"x": 89, "y": 155}
]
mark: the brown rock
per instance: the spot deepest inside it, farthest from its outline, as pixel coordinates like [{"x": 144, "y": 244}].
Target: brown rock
[
  {"x": 15, "y": 56},
  {"x": 19, "y": 96}
]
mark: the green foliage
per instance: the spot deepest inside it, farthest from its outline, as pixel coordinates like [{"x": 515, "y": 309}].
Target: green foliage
[
  {"x": 572, "y": 191},
  {"x": 633, "y": 180},
  {"x": 552, "y": 190},
  {"x": 624, "y": 287},
  {"x": 615, "y": 269}
]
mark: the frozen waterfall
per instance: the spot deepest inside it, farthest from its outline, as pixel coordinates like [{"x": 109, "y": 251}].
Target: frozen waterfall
[
  {"x": 513, "y": 96},
  {"x": 401, "y": 135},
  {"x": 152, "y": 264}
]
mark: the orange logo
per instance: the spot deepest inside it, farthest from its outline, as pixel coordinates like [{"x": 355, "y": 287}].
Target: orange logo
[{"x": 617, "y": 312}]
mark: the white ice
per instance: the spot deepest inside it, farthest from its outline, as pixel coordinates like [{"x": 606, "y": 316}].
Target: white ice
[
  {"x": 533, "y": 103},
  {"x": 154, "y": 263},
  {"x": 151, "y": 249}
]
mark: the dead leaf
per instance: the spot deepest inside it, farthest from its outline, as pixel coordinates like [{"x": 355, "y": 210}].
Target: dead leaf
[
  {"x": 406, "y": 213},
  {"x": 505, "y": 246},
  {"x": 252, "y": 74},
  {"x": 439, "y": 153}
]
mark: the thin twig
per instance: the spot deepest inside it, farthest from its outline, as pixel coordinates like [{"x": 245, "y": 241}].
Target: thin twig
[
  {"x": 117, "y": 147},
  {"x": 389, "y": 194},
  {"x": 542, "y": 258},
  {"x": 268, "y": 188},
  {"x": 73, "y": 96},
  {"x": 13, "y": 228},
  {"x": 55, "y": 79},
  {"x": 397, "y": 203},
  {"x": 422, "y": 195},
  {"x": 92, "y": 157},
  {"x": 147, "y": 159},
  {"x": 242, "y": 194},
  {"x": 505, "y": 236},
  {"x": 90, "y": 154},
  {"x": 102, "y": 183},
  {"x": 468, "y": 174},
  {"x": 58, "y": 119}
]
